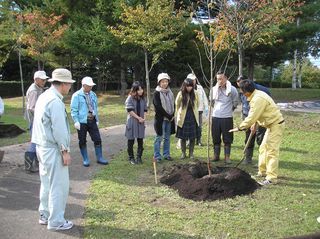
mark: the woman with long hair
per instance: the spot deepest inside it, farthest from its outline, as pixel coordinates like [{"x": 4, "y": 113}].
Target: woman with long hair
[
  {"x": 136, "y": 107},
  {"x": 187, "y": 116}
]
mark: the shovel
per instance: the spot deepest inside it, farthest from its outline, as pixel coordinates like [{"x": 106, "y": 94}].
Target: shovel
[{"x": 245, "y": 148}]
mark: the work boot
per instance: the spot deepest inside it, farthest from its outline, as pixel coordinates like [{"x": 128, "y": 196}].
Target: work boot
[
  {"x": 227, "y": 151},
  {"x": 248, "y": 156},
  {"x": 216, "y": 151},
  {"x": 85, "y": 158},
  {"x": 183, "y": 148},
  {"x": 139, "y": 153},
  {"x": 100, "y": 159},
  {"x": 191, "y": 148},
  {"x": 31, "y": 163}
]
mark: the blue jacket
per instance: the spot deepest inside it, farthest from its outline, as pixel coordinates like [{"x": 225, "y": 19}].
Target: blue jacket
[
  {"x": 245, "y": 102},
  {"x": 79, "y": 108}
]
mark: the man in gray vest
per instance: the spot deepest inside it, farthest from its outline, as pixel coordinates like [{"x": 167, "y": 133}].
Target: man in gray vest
[{"x": 34, "y": 91}]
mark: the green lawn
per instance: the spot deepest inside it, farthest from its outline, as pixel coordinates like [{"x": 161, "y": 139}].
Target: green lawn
[{"x": 124, "y": 201}]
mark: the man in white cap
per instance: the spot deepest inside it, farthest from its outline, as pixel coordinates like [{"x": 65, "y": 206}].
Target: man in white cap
[
  {"x": 51, "y": 134},
  {"x": 34, "y": 91},
  {"x": 84, "y": 112}
]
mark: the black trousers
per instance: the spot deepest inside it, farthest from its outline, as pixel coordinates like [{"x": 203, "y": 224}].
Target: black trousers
[
  {"x": 220, "y": 127},
  {"x": 257, "y": 136},
  {"x": 130, "y": 147},
  {"x": 92, "y": 128}
]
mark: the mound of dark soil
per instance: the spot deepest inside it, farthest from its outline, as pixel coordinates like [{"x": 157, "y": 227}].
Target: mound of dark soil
[
  {"x": 193, "y": 182},
  {"x": 10, "y": 130}
]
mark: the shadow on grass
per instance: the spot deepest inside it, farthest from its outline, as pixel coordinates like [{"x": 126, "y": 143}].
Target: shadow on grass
[
  {"x": 296, "y": 166},
  {"x": 111, "y": 232}
]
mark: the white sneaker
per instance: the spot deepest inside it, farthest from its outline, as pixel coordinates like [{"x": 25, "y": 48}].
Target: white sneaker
[
  {"x": 43, "y": 220},
  {"x": 65, "y": 226}
]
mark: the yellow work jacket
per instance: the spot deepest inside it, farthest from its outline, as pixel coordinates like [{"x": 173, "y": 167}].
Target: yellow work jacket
[
  {"x": 182, "y": 111},
  {"x": 262, "y": 110}
]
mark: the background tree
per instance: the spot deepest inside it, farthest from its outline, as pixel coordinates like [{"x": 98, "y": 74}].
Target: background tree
[
  {"x": 40, "y": 34},
  {"x": 154, "y": 27},
  {"x": 250, "y": 23}
]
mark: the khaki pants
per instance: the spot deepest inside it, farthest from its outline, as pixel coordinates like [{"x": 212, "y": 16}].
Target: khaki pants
[{"x": 269, "y": 151}]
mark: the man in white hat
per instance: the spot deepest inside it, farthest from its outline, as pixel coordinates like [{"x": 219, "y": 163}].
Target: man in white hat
[
  {"x": 33, "y": 93},
  {"x": 84, "y": 112},
  {"x": 51, "y": 134}
]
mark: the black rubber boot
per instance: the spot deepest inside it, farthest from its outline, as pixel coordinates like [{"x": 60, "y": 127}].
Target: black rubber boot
[
  {"x": 248, "y": 156},
  {"x": 139, "y": 151},
  {"x": 227, "y": 151},
  {"x": 191, "y": 148},
  {"x": 216, "y": 151},
  {"x": 130, "y": 151},
  {"x": 31, "y": 163},
  {"x": 183, "y": 148}
]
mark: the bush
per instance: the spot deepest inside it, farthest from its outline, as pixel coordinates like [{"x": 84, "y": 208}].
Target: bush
[{"x": 12, "y": 88}]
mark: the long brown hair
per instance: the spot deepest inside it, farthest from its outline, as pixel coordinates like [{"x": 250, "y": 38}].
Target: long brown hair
[{"x": 187, "y": 95}]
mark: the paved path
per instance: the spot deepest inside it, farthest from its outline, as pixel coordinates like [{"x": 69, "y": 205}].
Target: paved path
[
  {"x": 301, "y": 106},
  {"x": 19, "y": 191}
]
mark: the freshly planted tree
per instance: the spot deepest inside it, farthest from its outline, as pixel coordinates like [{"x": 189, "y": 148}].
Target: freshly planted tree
[{"x": 154, "y": 27}]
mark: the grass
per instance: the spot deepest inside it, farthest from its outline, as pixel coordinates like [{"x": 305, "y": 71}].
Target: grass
[
  {"x": 124, "y": 201},
  {"x": 289, "y": 95}
]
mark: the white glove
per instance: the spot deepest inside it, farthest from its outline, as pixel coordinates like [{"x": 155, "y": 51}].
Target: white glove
[
  {"x": 77, "y": 125},
  {"x": 97, "y": 123}
]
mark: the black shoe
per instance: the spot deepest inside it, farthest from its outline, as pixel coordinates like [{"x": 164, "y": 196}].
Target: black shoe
[
  {"x": 138, "y": 160},
  {"x": 168, "y": 158},
  {"x": 132, "y": 161}
]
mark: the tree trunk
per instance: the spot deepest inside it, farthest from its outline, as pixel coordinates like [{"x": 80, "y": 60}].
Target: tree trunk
[
  {"x": 271, "y": 76},
  {"x": 240, "y": 56},
  {"x": 300, "y": 72},
  {"x": 21, "y": 79},
  {"x": 123, "y": 80},
  {"x": 147, "y": 76},
  {"x": 251, "y": 67},
  {"x": 294, "y": 73}
]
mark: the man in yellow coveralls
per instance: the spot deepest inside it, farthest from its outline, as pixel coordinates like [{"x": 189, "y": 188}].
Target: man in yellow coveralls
[{"x": 265, "y": 112}]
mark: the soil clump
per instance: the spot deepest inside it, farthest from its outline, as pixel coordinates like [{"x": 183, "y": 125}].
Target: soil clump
[{"x": 193, "y": 182}]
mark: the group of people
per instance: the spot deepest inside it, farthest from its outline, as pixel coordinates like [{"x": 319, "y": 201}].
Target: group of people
[
  {"x": 49, "y": 151},
  {"x": 261, "y": 118}
]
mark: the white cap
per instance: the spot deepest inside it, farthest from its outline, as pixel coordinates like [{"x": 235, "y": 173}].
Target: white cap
[
  {"x": 87, "y": 81},
  {"x": 40, "y": 74},
  {"x": 61, "y": 75},
  {"x": 162, "y": 76},
  {"x": 192, "y": 76}
]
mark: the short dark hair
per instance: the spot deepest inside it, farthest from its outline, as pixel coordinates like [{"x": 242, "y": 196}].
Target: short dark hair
[
  {"x": 220, "y": 73},
  {"x": 247, "y": 86},
  {"x": 57, "y": 83}
]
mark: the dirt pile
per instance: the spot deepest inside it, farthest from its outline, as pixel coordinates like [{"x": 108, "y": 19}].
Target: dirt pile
[
  {"x": 10, "y": 130},
  {"x": 193, "y": 182}
]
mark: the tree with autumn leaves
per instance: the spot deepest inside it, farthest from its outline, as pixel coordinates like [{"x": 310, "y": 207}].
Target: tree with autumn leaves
[
  {"x": 245, "y": 24},
  {"x": 155, "y": 27},
  {"x": 40, "y": 34}
]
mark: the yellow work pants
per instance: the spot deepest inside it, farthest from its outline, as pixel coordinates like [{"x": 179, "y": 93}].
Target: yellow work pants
[{"x": 269, "y": 151}]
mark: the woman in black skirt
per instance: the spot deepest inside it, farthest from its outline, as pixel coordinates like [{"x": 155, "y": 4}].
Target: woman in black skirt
[{"x": 187, "y": 116}]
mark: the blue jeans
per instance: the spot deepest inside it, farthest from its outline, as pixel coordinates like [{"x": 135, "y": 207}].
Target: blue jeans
[
  {"x": 166, "y": 133},
  {"x": 32, "y": 146}
]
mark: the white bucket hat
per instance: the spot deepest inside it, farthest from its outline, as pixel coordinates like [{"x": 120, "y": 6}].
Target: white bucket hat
[
  {"x": 191, "y": 76},
  {"x": 41, "y": 75},
  {"x": 62, "y": 75},
  {"x": 162, "y": 76},
  {"x": 87, "y": 81}
]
